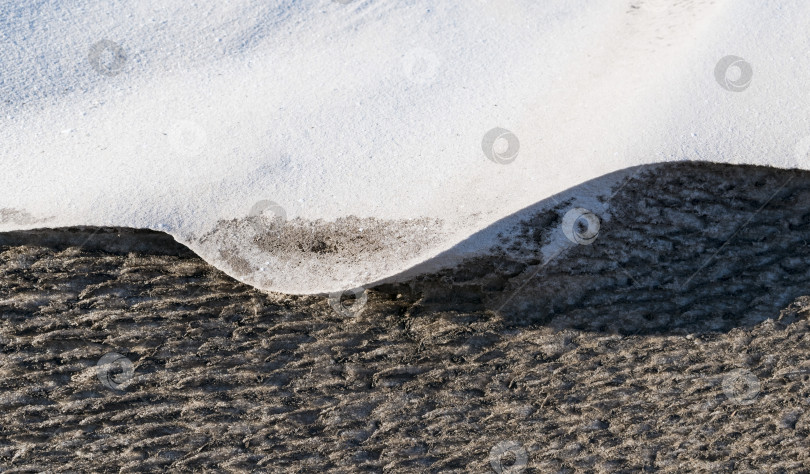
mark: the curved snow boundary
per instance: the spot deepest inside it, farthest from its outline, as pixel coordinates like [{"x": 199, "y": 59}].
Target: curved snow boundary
[
  {"x": 352, "y": 252},
  {"x": 425, "y": 122}
]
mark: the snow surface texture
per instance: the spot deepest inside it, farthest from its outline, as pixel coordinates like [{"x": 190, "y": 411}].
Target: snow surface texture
[{"x": 313, "y": 146}]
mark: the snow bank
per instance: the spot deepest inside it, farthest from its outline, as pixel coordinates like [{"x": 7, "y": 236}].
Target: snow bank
[{"x": 317, "y": 145}]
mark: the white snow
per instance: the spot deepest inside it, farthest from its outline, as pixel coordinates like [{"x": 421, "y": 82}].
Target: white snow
[{"x": 174, "y": 115}]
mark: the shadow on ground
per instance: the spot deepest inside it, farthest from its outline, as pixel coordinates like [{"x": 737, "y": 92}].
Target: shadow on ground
[
  {"x": 614, "y": 356},
  {"x": 684, "y": 247}
]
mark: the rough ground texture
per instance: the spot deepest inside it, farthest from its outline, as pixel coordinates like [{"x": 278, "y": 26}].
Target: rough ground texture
[{"x": 617, "y": 356}]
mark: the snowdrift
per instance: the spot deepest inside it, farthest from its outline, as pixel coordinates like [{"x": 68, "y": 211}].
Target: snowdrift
[{"x": 314, "y": 146}]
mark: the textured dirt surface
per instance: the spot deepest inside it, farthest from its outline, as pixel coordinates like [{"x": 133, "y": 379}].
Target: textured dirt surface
[{"x": 676, "y": 342}]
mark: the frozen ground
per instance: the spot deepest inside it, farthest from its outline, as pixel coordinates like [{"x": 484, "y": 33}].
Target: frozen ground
[{"x": 675, "y": 341}]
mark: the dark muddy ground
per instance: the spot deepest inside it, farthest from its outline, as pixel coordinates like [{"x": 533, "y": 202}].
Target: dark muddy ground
[{"x": 677, "y": 341}]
